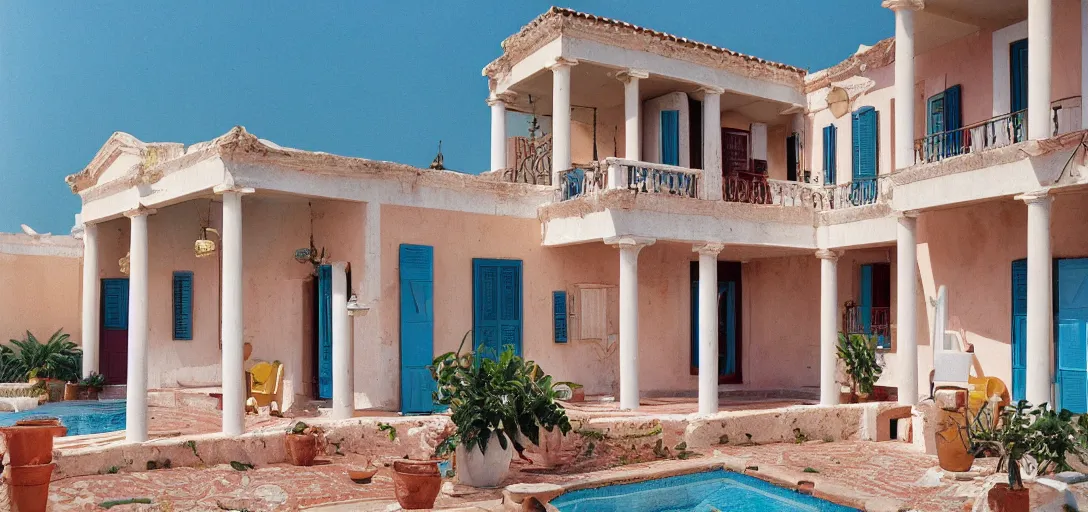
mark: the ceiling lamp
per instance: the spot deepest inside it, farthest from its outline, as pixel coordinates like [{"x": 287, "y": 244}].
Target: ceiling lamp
[{"x": 204, "y": 246}]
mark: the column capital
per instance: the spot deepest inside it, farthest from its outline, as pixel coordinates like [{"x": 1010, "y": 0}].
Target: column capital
[
  {"x": 505, "y": 98},
  {"x": 632, "y": 74},
  {"x": 903, "y": 5},
  {"x": 908, "y": 214},
  {"x": 1039, "y": 196},
  {"x": 228, "y": 188},
  {"x": 140, "y": 210},
  {"x": 828, "y": 254},
  {"x": 709, "y": 249},
  {"x": 620, "y": 242},
  {"x": 711, "y": 89},
  {"x": 562, "y": 62}
]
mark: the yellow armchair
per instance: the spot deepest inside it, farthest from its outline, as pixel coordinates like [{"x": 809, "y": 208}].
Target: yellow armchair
[{"x": 265, "y": 383}]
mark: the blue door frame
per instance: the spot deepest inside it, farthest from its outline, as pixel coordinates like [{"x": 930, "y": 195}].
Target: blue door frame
[
  {"x": 417, "y": 386},
  {"x": 496, "y": 306}
]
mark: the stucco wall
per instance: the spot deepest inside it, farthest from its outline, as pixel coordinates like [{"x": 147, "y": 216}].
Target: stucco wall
[{"x": 40, "y": 294}]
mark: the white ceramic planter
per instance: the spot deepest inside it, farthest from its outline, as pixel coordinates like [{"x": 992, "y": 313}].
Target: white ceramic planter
[{"x": 478, "y": 469}]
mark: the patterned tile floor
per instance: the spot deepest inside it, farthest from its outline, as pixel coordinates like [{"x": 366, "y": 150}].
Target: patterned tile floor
[{"x": 890, "y": 470}]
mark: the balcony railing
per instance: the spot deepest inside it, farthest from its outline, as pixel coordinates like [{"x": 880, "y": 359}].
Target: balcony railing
[
  {"x": 992, "y": 133},
  {"x": 582, "y": 180},
  {"x": 642, "y": 177},
  {"x": 868, "y": 320},
  {"x": 860, "y": 192}
]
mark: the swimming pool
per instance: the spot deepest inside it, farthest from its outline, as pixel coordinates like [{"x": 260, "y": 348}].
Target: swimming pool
[
  {"x": 80, "y": 416},
  {"x": 701, "y": 492}
]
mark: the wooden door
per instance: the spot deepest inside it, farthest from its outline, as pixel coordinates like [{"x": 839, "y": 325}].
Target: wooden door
[
  {"x": 1071, "y": 331},
  {"x": 416, "y": 328},
  {"x": 735, "y": 151},
  {"x": 113, "y": 336},
  {"x": 496, "y": 306},
  {"x": 1019, "y": 328},
  {"x": 324, "y": 332},
  {"x": 729, "y": 321}
]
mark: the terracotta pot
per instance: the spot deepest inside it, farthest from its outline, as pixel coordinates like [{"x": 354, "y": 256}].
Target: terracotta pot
[
  {"x": 80, "y": 392},
  {"x": 29, "y": 486},
  {"x": 952, "y": 443},
  {"x": 30, "y": 442},
  {"x": 301, "y": 449},
  {"x": 416, "y": 483},
  {"x": 578, "y": 395},
  {"x": 1003, "y": 499},
  {"x": 54, "y": 388},
  {"x": 863, "y": 397}
]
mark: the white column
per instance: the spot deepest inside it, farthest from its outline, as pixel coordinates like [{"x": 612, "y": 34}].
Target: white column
[
  {"x": 906, "y": 303},
  {"x": 1040, "y": 301},
  {"x": 712, "y": 144},
  {"x": 343, "y": 357},
  {"x": 1039, "y": 40},
  {"x": 904, "y": 79},
  {"x": 1083, "y": 63},
  {"x": 89, "y": 325},
  {"x": 629, "y": 248},
  {"x": 498, "y": 130},
  {"x": 234, "y": 393},
  {"x": 632, "y": 128},
  {"x": 136, "y": 389},
  {"x": 829, "y": 332},
  {"x": 560, "y": 116},
  {"x": 708, "y": 327}
]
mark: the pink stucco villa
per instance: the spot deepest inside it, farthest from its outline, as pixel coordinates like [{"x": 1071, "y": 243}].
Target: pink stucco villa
[{"x": 670, "y": 175}]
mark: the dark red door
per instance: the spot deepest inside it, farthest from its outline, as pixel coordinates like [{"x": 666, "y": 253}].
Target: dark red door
[{"x": 113, "y": 341}]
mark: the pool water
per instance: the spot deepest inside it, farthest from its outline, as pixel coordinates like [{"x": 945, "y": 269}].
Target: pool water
[
  {"x": 80, "y": 416},
  {"x": 702, "y": 492}
]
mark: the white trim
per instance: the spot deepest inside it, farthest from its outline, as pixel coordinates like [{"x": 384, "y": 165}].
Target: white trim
[
  {"x": 1002, "y": 100},
  {"x": 25, "y": 245}
]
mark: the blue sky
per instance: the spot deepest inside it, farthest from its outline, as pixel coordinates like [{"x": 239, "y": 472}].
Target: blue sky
[{"x": 376, "y": 79}]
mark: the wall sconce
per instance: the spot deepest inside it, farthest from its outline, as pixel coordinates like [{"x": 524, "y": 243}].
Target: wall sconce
[
  {"x": 204, "y": 246},
  {"x": 356, "y": 309}
]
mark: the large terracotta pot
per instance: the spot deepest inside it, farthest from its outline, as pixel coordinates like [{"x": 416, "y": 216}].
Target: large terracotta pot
[
  {"x": 54, "y": 388},
  {"x": 301, "y": 449},
  {"x": 30, "y": 442},
  {"x": 479, "y": 469},
  {"x": 416, "y": 483},
  {"x": 29, "y": 486},
  {"x": 951, "y": 438},
  {"x": 80, "y": 392},
  {"x": 1001, "y": 498}
]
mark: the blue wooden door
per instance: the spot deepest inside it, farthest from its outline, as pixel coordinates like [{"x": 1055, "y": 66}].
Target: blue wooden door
[
  {"x": 865, "y": 299},
  {"x": 670, "y": 137},
  {"x": 1071, "y": 332},
  {"x": 1019, "y": 327},
  {"x": 864, "y": 128},
  {"x": 416, "y": 328},
  {"x": 1018, "y": 74},
  {"x": 728, "y": 321},
  {"x": 324, "y": 332},
  {"x": 496, "y": 306}
]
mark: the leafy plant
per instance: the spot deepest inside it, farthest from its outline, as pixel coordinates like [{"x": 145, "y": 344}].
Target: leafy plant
[
  {"x": 504, "y": 396},
  {"x": 858, "y": 355},
  {"x": 94, "y": 380},
  {"x": 1011, "y": 440},
  {"x": 57, "y": 358},
  {"x": 389, "y": 430}
]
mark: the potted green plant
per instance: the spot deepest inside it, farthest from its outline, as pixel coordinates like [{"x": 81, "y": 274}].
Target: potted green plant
[
  {"x": 86, "y": 388},
  {"x": 492, "y": 401},
  {"x": 302, "y": 442},
  {"x": 54, "y": 362},
  {"x": 1012, "y": 440},
  {"x": 863, "y": 367}
]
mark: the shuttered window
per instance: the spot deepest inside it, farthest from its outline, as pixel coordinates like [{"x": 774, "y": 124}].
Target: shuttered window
[
  {"x": 865, "y": 143},
  {"x": 115, "y": 304},
  {"x": 670, "y": 137},
  {"x": 559, "y": 313},
  {"x": 183, "y": 305},
  {"x": 830, "y": 133}
]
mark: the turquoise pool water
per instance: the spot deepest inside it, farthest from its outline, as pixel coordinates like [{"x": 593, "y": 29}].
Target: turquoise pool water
[
  {"x": 699, "y": 492},
  {"x": 80, "y": 416}
]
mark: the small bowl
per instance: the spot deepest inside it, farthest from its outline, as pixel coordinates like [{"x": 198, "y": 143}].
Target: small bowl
[{"x": 362, "y": 476}]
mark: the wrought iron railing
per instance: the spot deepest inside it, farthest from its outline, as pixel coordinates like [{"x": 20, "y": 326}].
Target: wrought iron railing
[
  {"x": 995, "y": 132},
  {"x": 747, "y": 187},
  {"x": 860, "y": 192},
  {"x": 857, "y": 319},
  {"x": 582, "y": 180},
  {"x": 651, "y": 178}
]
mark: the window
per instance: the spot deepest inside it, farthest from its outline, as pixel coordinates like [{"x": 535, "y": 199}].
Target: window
[
  {"x": 183, "y": 305},
  {"x": 830, "y": 133},
  {"x": 670, "y": 137},
  {"x": 863, "y": 188},
  {"x": 559, "y": 313},
  {"x": 872, "y": 315},
  {"x": 944, "y": 118},
  {"x": 593, "y": 311}
]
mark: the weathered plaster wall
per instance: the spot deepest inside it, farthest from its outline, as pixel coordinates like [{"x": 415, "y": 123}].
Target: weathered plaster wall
[
  {"x": 781, "y": 346},
  {"x": 651, "y": 126},
  {"x": 40, "y": 294},
  {"x": 610, "y": 134}
]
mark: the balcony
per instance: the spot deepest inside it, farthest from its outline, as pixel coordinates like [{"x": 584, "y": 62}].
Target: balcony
[{"x": 641, "y": 177}]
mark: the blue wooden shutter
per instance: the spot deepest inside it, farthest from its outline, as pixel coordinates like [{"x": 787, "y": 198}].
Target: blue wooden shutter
[
  {"x": 417, "y": 386},
  {"x": 953, "y": 119},
  {"x": 1071, "y": 303},
  {"x": 559, "y": 312},
  {"x": 183, "y": 305},
  {"x": 865, "y": 143},
  {"x": 324, "y": 331},
  {"x": 670, "y": 137},
  {"x": 1019, "y": 328},
  {"x": 115, "y": 304},
  {"x": 730, "y": 291},
  {"x": 830, "y": 134},
  {"x": 1018, "y": 71},
  {"x": 865, "y": 299},
  {"x": 497, "y": 307}
]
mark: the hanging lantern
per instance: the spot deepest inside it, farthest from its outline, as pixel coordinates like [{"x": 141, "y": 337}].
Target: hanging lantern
[
  {"x": 205, "y": 247},
  {"x": 303, "y": 255},
  {"x": 123, "y": 263}
]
